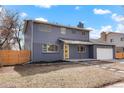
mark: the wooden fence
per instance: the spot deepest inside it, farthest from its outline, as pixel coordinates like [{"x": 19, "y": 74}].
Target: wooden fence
[
  {"x": 12, "y": 57},
  {"x": 119, "y": 55}
]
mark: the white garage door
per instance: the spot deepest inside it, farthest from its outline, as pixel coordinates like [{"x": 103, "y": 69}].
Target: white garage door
[{"x": 104, "y": 53}]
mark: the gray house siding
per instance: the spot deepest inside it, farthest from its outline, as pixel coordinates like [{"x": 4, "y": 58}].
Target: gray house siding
[
  {"x": 91, "y": 48},
  {"x": 35, "y": 38},
  {"x": 73, "y": 52},
  {"x": 55, "y": 34},
  {"x": 40, "y": 56},
  {"x": 52, "y": 37}
]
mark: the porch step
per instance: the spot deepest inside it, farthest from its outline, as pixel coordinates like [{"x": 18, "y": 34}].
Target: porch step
[{"x": 81, "y": 60}]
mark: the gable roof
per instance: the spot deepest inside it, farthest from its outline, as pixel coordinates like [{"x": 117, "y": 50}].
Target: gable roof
[
  {"x": 53, "y": 24},
  {"x": 107, "y": 33},
  {"x": 116, "y": 33}
]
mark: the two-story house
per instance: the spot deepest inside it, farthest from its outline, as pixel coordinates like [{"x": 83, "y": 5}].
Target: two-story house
[
  {"x": 114, "y": 38},
  {"x": 51, "y": 42}
]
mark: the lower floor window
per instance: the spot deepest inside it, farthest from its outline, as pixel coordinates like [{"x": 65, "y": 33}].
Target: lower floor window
[
  {"x": 119, "y": 49},
  {"x": 49, "y": 48},
  {"x": 81, "y": 49}
]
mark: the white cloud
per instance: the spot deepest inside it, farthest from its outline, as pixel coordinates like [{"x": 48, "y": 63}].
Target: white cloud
[
  {"x": 120, "y": 22},
  {"x": 118, "y": 18},
  {"x": 95, "y": 33},
  {"x": 41, "y": 19},
  {"x": 120, "y": 28},
  {"x": 23, "y": 14},
  {"x": 77, "y": 8},
  {"x": 44, "y": 6},
  {"x": 0, "y": 9},
  {"x": 101, "y": 11},
  {"x": 107, "y": 28}
]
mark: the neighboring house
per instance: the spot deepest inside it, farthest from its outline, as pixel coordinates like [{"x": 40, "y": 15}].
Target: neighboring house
[
  {"x": 51, "y": 42},
  {"x": 114, "y": 38}
]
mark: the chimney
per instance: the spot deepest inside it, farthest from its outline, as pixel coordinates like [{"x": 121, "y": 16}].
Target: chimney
[
  {"x": 80, "y": 24},
  {"x": 103, "y": 36}
]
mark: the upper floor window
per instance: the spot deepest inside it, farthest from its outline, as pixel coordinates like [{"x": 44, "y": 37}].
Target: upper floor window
[
  {"x": 122, "y": 39},
  {"x": 44, "y": 28},
  {"x": 83, "y": 33},
  {"x": 111, "y": 40},
  {"x": 63, "y": 31},
  {"x": 49, "y": 48},
  {"x": 81, "y": 49}
]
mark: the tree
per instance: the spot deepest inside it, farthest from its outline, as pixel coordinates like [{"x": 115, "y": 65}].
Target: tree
[{"x": 10, "y": 27}]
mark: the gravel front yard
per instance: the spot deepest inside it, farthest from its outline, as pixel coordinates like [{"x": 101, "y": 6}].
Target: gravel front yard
[{"x": 56, "y": 75}]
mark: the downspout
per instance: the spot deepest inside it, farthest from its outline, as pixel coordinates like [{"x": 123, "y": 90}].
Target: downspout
[{"x": 32, "y": 41}]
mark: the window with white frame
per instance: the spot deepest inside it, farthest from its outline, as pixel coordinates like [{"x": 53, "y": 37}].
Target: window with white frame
[
  {"x": 49, "y": 48},
  {"x": 81, "y": 49},
  {"x": 63, "y": 31}
]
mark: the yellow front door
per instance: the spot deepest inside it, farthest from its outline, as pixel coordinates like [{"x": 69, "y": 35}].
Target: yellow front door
[{"x": 66, "y": 51}]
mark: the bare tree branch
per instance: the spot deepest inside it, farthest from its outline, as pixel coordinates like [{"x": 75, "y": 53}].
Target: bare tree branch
[{"x": 11, "y": 27}]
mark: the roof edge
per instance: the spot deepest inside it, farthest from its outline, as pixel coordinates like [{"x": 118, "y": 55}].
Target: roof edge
[{"x": 59, "y": 25}]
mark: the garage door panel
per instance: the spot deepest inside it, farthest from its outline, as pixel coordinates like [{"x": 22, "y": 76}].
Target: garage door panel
[{"x": 104, "y": 53}]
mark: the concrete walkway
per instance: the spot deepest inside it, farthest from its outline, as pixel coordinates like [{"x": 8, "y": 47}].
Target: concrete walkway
[
  {"x": 109, "y": 68},
  {"x": 118, "y": 71}
]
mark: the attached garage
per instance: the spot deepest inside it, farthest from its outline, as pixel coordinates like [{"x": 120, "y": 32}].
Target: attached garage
[
  {"x": 104, "y": 53},
  {"x": 101, "y": 50}
]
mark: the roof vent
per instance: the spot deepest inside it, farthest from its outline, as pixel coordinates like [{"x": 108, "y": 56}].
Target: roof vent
[{"x": 80, "y": 24}]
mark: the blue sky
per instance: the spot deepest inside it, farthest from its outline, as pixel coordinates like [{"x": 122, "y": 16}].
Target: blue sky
[{"x": 96, "y": 17}]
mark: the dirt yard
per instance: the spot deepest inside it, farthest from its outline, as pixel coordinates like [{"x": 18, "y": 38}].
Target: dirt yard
[{"x": 63, "y": 75}]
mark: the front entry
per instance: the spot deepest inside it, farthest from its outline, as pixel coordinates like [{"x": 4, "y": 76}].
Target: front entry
[{"x": 66, "y": 51}]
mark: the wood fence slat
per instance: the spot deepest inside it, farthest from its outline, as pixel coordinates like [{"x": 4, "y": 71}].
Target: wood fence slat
[
  {"x": 119, "y": 55},
  {"x": 12, "y": 57}
]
